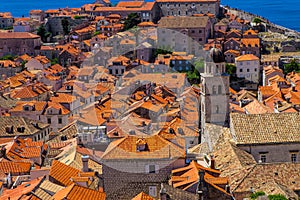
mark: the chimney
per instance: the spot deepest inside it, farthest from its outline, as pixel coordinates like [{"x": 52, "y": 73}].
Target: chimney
[
  {"x": 85, "y": 161},
  {"x": 163, "y": 193},
  {"x": 227, "y": 189},
  {"x": 201, "y": 189},
  {"x": 212, "y": 162}
]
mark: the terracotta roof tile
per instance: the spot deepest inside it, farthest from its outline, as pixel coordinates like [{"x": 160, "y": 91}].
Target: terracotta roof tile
[
  {"x": 246, "y": 57},
  {"x": 76, "y": 192},
  {"x": 62, "y": 173},
  {"x": 265, "y": 128},
  {"x": 142, "y": 196}
]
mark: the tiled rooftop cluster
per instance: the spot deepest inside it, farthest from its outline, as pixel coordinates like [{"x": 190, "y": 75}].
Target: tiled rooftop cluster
[{"x": 92, "y": 110}]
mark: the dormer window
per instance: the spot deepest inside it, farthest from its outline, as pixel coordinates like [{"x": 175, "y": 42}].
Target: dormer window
[{"x": 141, "y": 145}]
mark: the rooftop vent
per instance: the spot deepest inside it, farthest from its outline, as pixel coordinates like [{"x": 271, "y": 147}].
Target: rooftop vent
[
  {"x": 9, "y": 129},
  {"x": 21, "y": 129}
]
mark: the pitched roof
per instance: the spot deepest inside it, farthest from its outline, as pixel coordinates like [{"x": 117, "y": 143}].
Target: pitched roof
[
  {"x": 7, "y": 102},
  {"x": 246, "y": 57},
  {"x": 266, "y": 128},
  {"x": 15, "y": 122},
  {"x": 142, "y": 196},
  {"x": 76, "y": 192},
  {"x": 62, "y": 173},
  {"x": 156, "y": 148},
  {"x": 183, "y": 22},
  {"x": 18, "y": 35},
  {"x": 186, "y": 177},
  {"x": 15, "y": 167},
  {"x": 30, "y": 91},
  {"x": 266, "y": 177},
  {"x": 252, "y": 42}
]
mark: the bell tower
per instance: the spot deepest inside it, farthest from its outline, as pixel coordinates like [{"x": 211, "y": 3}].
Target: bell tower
[{"x": 214, "y": 96}]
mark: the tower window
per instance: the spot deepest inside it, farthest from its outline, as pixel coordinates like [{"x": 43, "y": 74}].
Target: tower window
[
  {"x": 220, "y": 89},
  {"x": 214, "y": 90},
  {"x": 217, "y": 109}
]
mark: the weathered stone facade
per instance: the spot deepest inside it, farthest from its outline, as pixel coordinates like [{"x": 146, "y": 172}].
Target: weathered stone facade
[
  {"x": 188, "y": 8},
  {"x": 125, "y": 179}
]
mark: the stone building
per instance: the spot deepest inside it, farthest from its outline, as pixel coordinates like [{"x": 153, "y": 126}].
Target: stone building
[
  {"x": 24, "y": 128},
  {"x": 9, "y": 68},
  {"x": 133, "y": 164},
  {"x": 6, "y": 20},
  {"x": 248, "y": 67},
  {"x": 200, "y": 180},
  {"x": 148, "y": 11},
  {"x": 183, "y": 34},
  {"x": 14, "y": 43},
  {"x": 269, "y": 138},
  {"x": 188, "y": 8},
  {"x": 215, "y": 90}
]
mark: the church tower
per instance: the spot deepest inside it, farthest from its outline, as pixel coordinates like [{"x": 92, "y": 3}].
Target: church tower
[{"x": 214, "y": 97}]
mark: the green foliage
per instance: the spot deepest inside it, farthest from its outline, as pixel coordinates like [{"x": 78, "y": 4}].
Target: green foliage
[
  {"x": 199, "y": 65},
  {"x": 9, "y": 57},
  {"x": 277, "y": 197},
  {"x": 257, "y": 20},
  {"x": 65, "y": 26},
  {"x": 230, "y": 69},
  {"x": 162, "y": 50},
  {"x": 79, "y": 17},
  {"x": 43, "y": 33},
  {"x": 96, "y": 33},
  {"x": 132, "y": 20},
  {"x": 9, "y": 28},
  {"x": 193, "y": 76},
  {"x": 54, "y": 61},
  {"x": 293, "y": 66},
  {"x": 257, "y": 194}
]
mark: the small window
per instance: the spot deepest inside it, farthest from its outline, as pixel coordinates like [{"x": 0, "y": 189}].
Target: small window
[
  {"x": 152, "y": 191},
  {"x": 59, "y": 120},
  {"x": 217, "y": 109},
  {"x": 263, "y": 158},
  {"x": 220, "y": 89},
  {"x": 248, "y": 70},
  {"x": 294, "y": 157},
  {"x": 49, "y": 120},
  {"x": 255, "y": 69},
  {"x": 152, "y": 169},
  {"x": 241, "y": 70},
  {"x": 214, "y": 90}
]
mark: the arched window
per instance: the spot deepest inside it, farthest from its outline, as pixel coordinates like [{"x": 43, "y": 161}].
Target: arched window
[
  {"x": 219, "y": 89},
  {"x": 217, "y": 109},
  {"x": 214, "y": 89}
]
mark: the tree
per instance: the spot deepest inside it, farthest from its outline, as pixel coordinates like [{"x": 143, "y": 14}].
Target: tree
[
  {"x": 9, "y": 57},
  {"x": 162, "y": 50},
  {"x": 230, "y": 69},
  {"x": 199, "y": 65},
  {"x": 257, "y": 20},
  {"x": 65, "y": 26},
  {"x": 133, "y": 19},
  {"x": 54, "y": 61},
  {"x": 257, "y": 194},
  {"x": 43, "y": 33},
  {"x": 292, "y": 66},
  {"x": 277, "y": 197}
]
